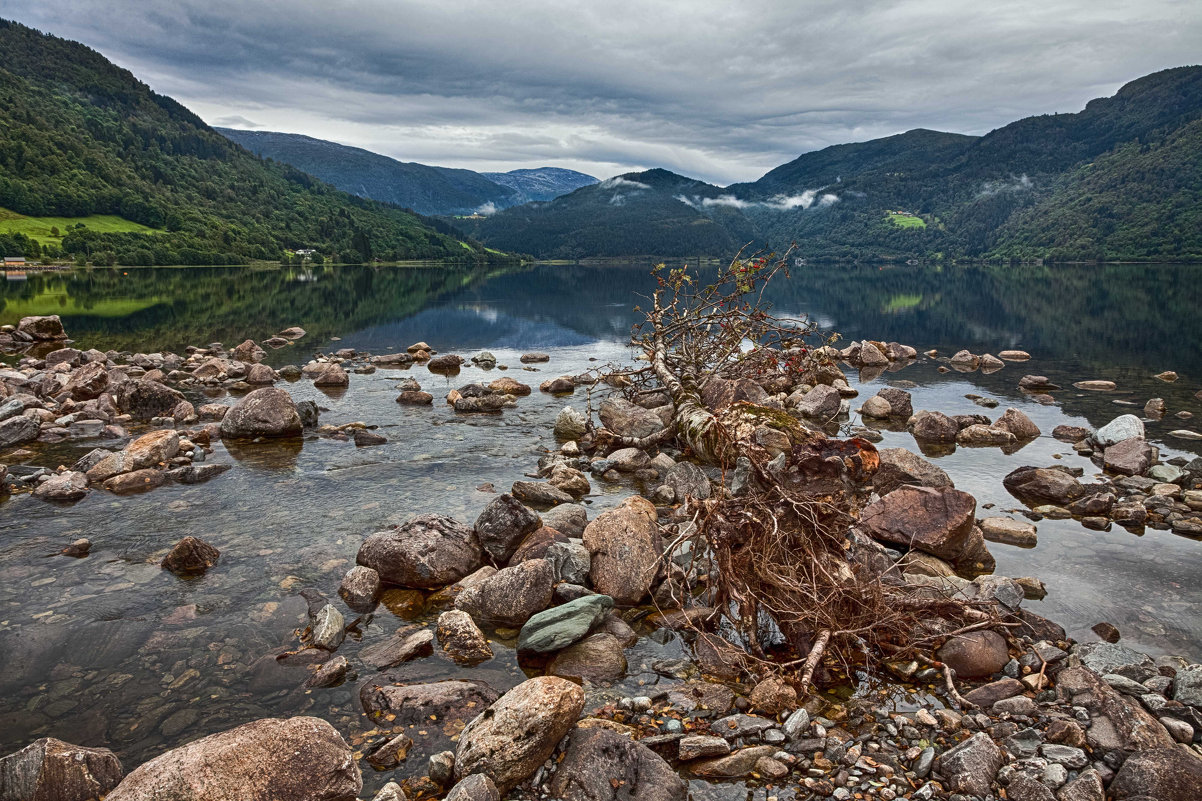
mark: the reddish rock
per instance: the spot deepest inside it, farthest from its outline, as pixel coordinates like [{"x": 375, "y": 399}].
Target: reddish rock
[
  {"x": 624, "y": 545},
  {"x": 975, "y": 654},
  {"x": 937, "y": 521},
  {"x": 427, "y": 552},
  {"x": 51, "y": 770},
  {"x": 292, "y": 759}
]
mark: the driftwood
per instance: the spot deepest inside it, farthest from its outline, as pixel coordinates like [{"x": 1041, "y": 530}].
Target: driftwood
[{"x": 783, "y": 566}]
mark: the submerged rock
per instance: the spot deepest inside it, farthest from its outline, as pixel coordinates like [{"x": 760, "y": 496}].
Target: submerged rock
[
  {"x": 275, "y": 759},
  {"x": 190, "y": 556}
]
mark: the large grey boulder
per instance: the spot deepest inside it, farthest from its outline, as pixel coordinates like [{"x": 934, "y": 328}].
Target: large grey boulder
[
  {"x": 274, "y": 759},
  {"x": 900, "y": 467},
  {"x": 688, "y": 481},
  {"x": 1166, "y": 774},
  {"x": 625, "y": 547},
  {"x": 558, "y": 627},
  {"x": 18, "y": 430},
  {"x": 43, "y": 329},
  {"x": 510, "y": 596},
  {"x": 628, "y": 420},
  {"x": 972, "y": 765},
  {"x": 567, "y": 518},
  {"x": 502, "y": 526},
  {"x": 1121, "y": 428},
  {"x": 144, "y": 399},
  {"x": 427, "y": 552},
  {"x": 52, "y": 770},
  {"x": 510, "y": 740},
  {"x": 602, "y": 765},
  {"x": 823, "y": 402},
  {"x": 265, "y": 412}
]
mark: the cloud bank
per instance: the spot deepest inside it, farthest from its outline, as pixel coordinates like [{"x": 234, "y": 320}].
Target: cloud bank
[{"x": 718, "y": 91}]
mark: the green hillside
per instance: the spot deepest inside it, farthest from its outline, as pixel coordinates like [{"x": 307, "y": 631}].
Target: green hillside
[
  {"x": 1120, "y": 179},
  {"x": 80, "y": 136}
]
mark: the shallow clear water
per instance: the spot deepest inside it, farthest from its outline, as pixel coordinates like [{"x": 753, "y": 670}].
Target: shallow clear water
[{"x": 111, "y": 650}]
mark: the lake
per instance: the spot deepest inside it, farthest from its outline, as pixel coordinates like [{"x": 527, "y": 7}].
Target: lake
[{"x": 112, "y": 650}]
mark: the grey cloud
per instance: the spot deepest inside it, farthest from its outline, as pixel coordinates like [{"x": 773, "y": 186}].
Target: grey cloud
[{"x": 714, "y": 90}]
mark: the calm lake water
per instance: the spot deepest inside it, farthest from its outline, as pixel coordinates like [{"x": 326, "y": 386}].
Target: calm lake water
[{"x": 111, "y": 650}]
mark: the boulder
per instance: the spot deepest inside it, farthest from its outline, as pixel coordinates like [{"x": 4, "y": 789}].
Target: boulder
[
  {"x": 937, "y": 521},
  {"x": 570, "y": 560},
  {"x": 773, "y": 696},
  {"x": 446, "y": 363},
  {"x": 1009, "y": 531},
  {"x": 603, "y": 765},
  {"x": 900, "y": 404},
  {"x": 88, "y": 382},
  {"x": 427, "y": 552},
  {"x": 1121, "y": 428},
  {"x": 877, "y": 408},
  {"x": 248, "y": 352},
  {"x": 1166, "y": 774},
  {"x": 510, "y": 596},
  {"x": 190, "y": 556},
  {"x": 275, "y": 759},
  {"x": 328, "y": 629},
  {"x": 823, "y": 402},
  {"x": 982, "y": 436},
  {"x": 976, "y": 654},
  {"x": 452, "y": 702},
  {"x": 570, "y": 424},
  {"x": 624, "y": 546},
  {"x": 144, "y": 400},
  {"x": 502, "y": 526},
  {"x": 42, "y": 329},
  {"x": 567, "y": 518},
  {"x": 1131, "y": 457},
  {"x": 360, "y": 588},
  {"x": 934, "y": 428},
  {"x": 18, "y": 430},
  {"x": 462, "y": 639},
  {"x": 415, "y": 398},
  {"x": 558, "y": 627},
  {"x": 733, "y": 766},
  {"x": 476, "y": 787},
  {"x": 1043, "y": 485},
  {"x": 136, "y": 481},
  {"x": 558, "y": 386},
  {"x": 51, "y": 770},
  {"x": 972, "y": 766},
  {"x": 1018, "y": 424},
  {"x": 687, "y": 481},
  {"x": 965, "y": 359},
  {"x": 1119, "y": 724},
  {"x": 570, "y": 480},
  {"x": 540, "y": 493},
  {"x": 629, "y": 460},
  {"x": 64, "y": 487},
  {"x": 598, "y": 657},
  {"x": 509, "y": 386},
  {"x": 265, "y": 412},
  {"x": 151, "y": 450},
  {"x": 513, "y": 737}
]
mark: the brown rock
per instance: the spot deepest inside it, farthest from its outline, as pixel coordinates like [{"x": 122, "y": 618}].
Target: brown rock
[
  {"x": 598, "y": 658},
  {"x": 462, "y": 639},
  {"x": 510, "y": 596},
  {"x": 137, "y": 481},
  {"x": 144, "y": 399},
  {"x": 934, "y": 427},
  {"x": 733, "y": 766},
  {"x": 406, "y": 644},
  {"x": 502, "y": 526},
  {"x": 51, "y": 770},
  {"x": 975, "y": 654},
  {"x": 603, "y": 764},
  {"x": 360, "y": 588},
  {"x": 415, "y": 398},
  {"x": 292, "y": 759},
  {"x": 900, "y": 467},
  {"x": 427, "y": 552},
  {"x": 1131, "y": 457},
  {"x": 773, "y": 696},
  {"x": 624, "y": 544},
  {"x": 1166, "y": 774},
  {"x": 1040, "y": 485},
  {"x": 514, "y": 736},
  {"x": 509, "y": 386},
  {"x": 265, "y": 412},
  {"x": 88, "y": 382},
  {"x": 190, "y": 555},
  {"x": 987, "y": 695},
  {"x": 936, "y": 521},
  {"x": 1018, "y": 424}
]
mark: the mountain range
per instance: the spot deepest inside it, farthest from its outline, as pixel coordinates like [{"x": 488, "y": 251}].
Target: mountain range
[
  {"x": 80, "y": 136},
  {"x": 425, "y": 189},
  {"x": 1121, "y": 179}
]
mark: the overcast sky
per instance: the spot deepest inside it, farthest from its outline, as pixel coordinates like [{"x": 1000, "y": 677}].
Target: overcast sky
[{"x": 721, "y": 91}]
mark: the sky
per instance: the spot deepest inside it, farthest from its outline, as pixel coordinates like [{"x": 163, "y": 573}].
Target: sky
[{"x": 720, "y": 91}]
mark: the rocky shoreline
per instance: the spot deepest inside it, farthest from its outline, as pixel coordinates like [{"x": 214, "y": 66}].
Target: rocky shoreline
[{"x": 1045, "y": 718}]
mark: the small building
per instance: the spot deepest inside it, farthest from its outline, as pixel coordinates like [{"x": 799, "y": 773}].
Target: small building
[
  {"x": 306, "y": 253},
  {"x": 17, "y": 262}
]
